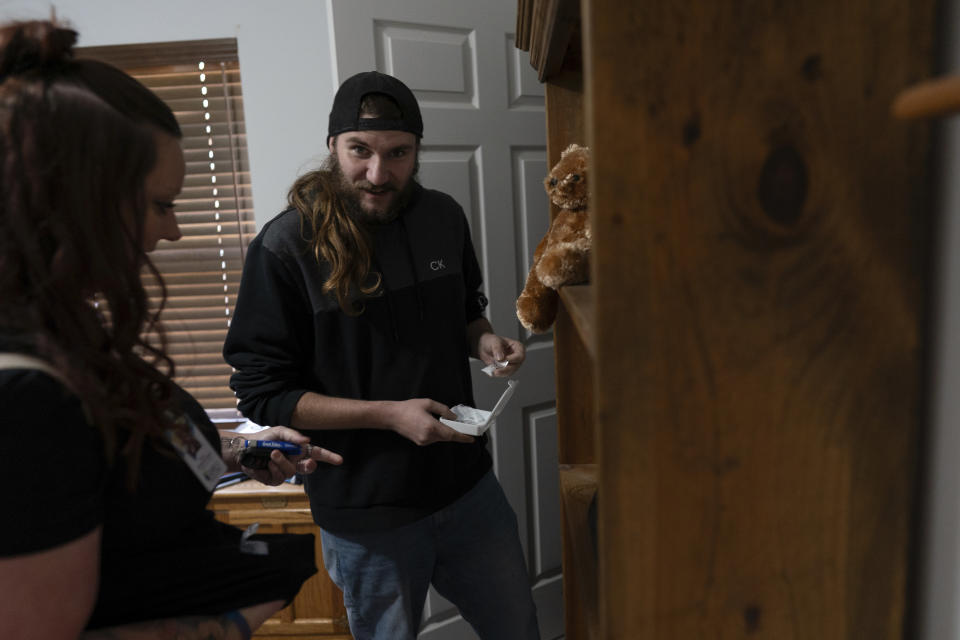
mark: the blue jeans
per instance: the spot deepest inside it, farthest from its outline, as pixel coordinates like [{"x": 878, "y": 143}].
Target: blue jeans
[{"x": 470, "y": 551}]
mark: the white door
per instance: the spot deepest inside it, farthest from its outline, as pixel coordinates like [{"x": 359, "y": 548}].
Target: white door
[{"x": 484, "y": 143}]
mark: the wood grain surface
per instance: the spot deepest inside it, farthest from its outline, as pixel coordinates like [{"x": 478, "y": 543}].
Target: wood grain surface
[{"x": 759, "y": 270}]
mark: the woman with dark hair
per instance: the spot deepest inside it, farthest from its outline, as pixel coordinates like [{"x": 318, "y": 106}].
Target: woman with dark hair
[{"x": 110, "y": 464}]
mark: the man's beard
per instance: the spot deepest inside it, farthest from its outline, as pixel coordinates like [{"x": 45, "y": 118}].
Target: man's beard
[{"x": 351, "y": 193}]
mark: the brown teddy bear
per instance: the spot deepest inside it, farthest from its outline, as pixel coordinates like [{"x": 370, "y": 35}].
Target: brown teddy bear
[{"x": 562, "y": 257}]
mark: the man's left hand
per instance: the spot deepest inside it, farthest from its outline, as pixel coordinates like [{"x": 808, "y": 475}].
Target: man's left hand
[{"x": 495, "y": 350}]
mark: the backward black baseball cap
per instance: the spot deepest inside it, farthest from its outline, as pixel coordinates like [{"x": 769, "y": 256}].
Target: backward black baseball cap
[{"x": 345, "y": 114}]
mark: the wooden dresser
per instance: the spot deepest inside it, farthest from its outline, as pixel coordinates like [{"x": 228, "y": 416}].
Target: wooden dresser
[{"x": 317, "y": 612}]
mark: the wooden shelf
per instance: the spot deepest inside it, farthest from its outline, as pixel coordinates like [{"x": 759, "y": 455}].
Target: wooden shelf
[
  {"x": 578, "y": 301},
  {"x": 546, "y": 28},
  {"x": 781, "y": 313},
  {"x": 574, "y": 374},
  {"x": 578, "y": 488}
]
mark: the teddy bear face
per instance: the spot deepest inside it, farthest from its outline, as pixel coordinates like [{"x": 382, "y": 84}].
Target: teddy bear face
[{"x": 566, "y": 184}]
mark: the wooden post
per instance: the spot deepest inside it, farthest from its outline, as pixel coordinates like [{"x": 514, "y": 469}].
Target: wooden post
[{"x": 759, "y": 271}]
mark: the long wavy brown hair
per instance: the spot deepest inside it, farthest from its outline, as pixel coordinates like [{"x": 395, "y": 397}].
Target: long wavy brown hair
[
  {"x": 335, "y": 236},
  {"x": 76, "y": 145}
]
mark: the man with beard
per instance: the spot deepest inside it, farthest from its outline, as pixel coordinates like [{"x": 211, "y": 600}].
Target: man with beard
[{"x": 358, "y": 310}]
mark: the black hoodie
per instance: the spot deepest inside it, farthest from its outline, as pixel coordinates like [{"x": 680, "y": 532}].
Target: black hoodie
[{"x": 287, "y": 337}]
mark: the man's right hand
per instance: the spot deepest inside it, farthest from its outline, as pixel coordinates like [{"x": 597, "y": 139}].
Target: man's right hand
[{"x": 416, "y": 421}]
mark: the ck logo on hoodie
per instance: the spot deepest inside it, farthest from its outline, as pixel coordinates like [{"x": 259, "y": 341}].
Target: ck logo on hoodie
[{"x": 437, "y": 265}]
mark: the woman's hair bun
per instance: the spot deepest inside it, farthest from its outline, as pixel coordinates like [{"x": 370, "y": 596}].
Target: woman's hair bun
[{"x": 36, "y": 45}]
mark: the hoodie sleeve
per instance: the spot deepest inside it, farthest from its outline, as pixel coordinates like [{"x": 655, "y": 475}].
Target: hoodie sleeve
[
  {"x": 476, "y": 302},
  {"x": 263, "y": 341}
]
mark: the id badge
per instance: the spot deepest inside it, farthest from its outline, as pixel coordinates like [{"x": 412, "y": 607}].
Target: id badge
[{"x": 196, "y": 451}]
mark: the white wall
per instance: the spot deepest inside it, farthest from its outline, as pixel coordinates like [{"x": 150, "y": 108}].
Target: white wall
[{"x": 285, "y": 62}]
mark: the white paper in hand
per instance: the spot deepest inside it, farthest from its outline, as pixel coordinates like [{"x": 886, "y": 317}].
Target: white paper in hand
[
  {"x": 490, "y": 368},
  {"x": 475, "y": 422}
]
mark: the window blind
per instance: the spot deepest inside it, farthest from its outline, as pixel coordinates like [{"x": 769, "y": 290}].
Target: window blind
[{"x": 200, "y": 81}]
